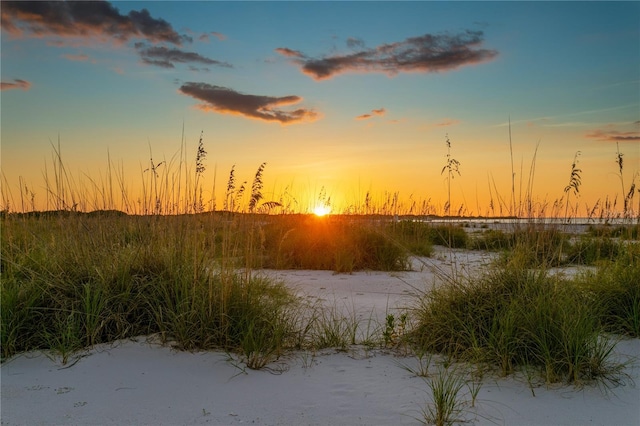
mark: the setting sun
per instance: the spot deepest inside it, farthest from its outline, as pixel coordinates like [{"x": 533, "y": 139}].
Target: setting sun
[{"x": 321, "y": 210}]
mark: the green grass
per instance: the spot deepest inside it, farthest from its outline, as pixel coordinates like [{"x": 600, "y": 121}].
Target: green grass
[
  {"x": 73, "y": 281},
  {"x": 616, "y": 285},
  {"x": 340, "y": 244},
  {"x": 515, "y": 317}
]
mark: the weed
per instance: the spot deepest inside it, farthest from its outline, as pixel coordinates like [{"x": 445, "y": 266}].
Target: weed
[{"x": 446, "y": 405}]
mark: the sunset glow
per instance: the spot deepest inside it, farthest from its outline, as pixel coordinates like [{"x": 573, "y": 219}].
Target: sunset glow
[
  {"x": 322, "y": 211},
  {"x": 350, "y": 102}
]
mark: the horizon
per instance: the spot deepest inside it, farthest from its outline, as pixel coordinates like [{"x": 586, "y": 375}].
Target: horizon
[{"x": 349, "y": 104}]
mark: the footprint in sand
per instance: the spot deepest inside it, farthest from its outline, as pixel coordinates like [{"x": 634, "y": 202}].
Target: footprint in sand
[{"x": 36, "y": 388}]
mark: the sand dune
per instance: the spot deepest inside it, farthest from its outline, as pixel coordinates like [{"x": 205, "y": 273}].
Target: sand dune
[{"x": 138, "y": 382}]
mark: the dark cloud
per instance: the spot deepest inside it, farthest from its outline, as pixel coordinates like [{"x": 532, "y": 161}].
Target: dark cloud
[
  {"x": 227, "y": 101},
  {"x": 373, "y": 112},
  {"x": 426, "y": 53},
  {"x": 167, "y": 57},
  {"x": 16, "y": 84},
  {"x": 354, "y": 42},
  {"x": 84, "y": 19},
  {"x": 613, "y": 135}
]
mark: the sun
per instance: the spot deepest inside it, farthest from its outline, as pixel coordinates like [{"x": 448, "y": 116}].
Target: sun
[{"x": 321, "y": 210}]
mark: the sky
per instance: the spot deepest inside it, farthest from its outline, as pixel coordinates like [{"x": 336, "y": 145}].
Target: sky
[{"x": 339, "y": 99}]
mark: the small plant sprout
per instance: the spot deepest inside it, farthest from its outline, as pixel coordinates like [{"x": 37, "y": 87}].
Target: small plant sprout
[
  {"x": 393, "y": 333},
  {"x": 446, "y": 404}
]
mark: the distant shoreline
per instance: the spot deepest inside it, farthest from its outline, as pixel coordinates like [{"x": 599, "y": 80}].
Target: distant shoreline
[{"x": 437, "y": 219}]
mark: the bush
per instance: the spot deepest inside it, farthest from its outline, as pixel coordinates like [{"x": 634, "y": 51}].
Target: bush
[
  {"x": 590, "y": 250},
  {"x": 516, "y": 317},
  {"x": 492, "y": 239},
  {"x": 70, "y": 282},
  {"x": 616, "y": 285},
  {"x": 415, "y": 236},
  {"x": 449, "y": 236},
  {"x": 332, "y": 244}
]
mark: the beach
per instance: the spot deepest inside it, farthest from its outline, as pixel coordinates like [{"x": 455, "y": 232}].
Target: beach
[{"x": 141, "y": 382}]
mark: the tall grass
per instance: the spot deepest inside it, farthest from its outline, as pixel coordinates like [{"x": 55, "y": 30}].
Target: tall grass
[
  {"x": 185, "y": 271},
  {"x": 74, "y": 280},
  {"x": 514, "y": 317},
  {"x": 341, "y": 244},
  {"x": 616, "y": 285}
]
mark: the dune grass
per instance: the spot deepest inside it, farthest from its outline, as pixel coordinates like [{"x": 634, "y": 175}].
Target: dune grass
[
  {"x": 514, "y": 316},
  {"x": 71, "y": 279},
  {"x": 338, "y": 243}
]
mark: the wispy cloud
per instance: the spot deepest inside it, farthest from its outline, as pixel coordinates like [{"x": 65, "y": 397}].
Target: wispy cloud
[
  {"x": 442, "y": 122},
  {"x": 355, "y": 42},
  {"x": 15, "y": 84},
  {"x": 447, "y": 122},
  {"x": 228, "y": 101},
  {"x": 610, "y": 134},
  {"x": 167, "y": 57},
  {"x": 206, "y": 36},
  {"x": 426, "y": 53},
  {"x": 84, "y": 19},
  {"x": 285, "y": 51},
  {"x": 81, "y": 57},
  {"x": 374, "y": 112},
  {"x": 547, "y": 119}
]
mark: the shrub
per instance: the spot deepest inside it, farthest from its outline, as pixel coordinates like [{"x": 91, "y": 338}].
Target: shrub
[
  {"x": 515, "y": 317},
  {"x": 590, "y": 250},
  {"x": 616, "y": 286},
  {"x": 331, "y": 244},
  {"x": 449, "y": 235},
  {"x": 492, "y": 239},
  {"x": 415, "y": 236},
  {"x": 75, "y": 281}
]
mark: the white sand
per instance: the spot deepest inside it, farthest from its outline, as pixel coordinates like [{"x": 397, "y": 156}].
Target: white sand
[{"x": 140, "y": 382}]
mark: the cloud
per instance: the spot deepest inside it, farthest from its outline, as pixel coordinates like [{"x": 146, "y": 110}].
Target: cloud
[
  {"x": 79, "y": 57},
  {"x": 218, "y": 35},
  {"x": 16, "y": 84},
  {"x": 610, "y": 135},
  {"x": 426, "y": 53},
  {"x": 285, "y": 51},
  {"x": 206, "y": 36},
  {"x": 167, "y": 57},
  {"x": 227, "y": 101},
  {"x": 355, "y": 42},
  {"x": 447, "y": 122},
  {"x": 84, "y": 19},
  {"x": 379, "y": 112}
]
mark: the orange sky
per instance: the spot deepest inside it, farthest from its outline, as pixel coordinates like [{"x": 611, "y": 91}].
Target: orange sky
[{"x": 339, "y": 99}]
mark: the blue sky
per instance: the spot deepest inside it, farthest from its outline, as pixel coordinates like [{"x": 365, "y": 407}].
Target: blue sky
[{"x": 567, "y": 74}]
